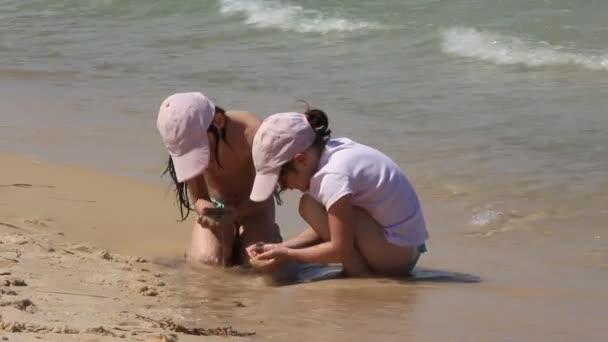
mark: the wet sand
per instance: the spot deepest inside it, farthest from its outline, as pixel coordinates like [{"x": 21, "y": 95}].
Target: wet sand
[{"x": 78, "y": 238}]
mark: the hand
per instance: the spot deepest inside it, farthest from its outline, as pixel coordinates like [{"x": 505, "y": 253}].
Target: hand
[
  {"x": 256, "y": 249},
  {"x": 211, "y": 217},
  {"x": 264, "y": 265},
  {"x": 269, "y": 263},
  {"x": 267, "y": 251},
  {"x": 199, "y": 207}
]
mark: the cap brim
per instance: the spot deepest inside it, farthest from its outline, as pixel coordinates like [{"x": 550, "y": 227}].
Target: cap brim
[
  {"x": 263, "y": 185},
  {"x": 192, "y": 163}
]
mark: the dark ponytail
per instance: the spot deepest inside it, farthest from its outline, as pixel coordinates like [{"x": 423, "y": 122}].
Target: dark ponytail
[{"x": 320, "y": 124}]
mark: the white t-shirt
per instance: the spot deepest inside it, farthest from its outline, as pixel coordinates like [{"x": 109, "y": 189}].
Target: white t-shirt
[{"x": 376, "y": 184}]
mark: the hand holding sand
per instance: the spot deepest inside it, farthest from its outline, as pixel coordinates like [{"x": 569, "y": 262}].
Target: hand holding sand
[{"x": 260, "y": 249}]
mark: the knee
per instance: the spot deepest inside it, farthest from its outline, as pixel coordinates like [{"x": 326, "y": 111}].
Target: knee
[
  {"x": 204, "y": 258},
  {"x": 211, "y": 247}
]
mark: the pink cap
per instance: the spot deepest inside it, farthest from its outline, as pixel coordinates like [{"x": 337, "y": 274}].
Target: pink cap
[
  {"x": 280, "y": 137},
  {"x": 183, "y": 120}
]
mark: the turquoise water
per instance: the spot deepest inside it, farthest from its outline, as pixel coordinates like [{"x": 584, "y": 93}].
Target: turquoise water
[{"x": 496, "y": 106}]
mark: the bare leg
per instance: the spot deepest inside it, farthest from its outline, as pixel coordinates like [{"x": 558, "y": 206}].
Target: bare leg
[
  {"x": 381, "y": 256},
  {"x": 212, "y": 247},
  {"x": 258, "y": 227},
  {"x": 316, "y": 216}
]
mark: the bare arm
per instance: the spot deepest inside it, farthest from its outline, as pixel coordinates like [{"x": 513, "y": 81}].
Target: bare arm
[
  {"x": 199, "y": 194},
  {"x": 251, "y": 123},
  {"x": 305, "y": 239}
]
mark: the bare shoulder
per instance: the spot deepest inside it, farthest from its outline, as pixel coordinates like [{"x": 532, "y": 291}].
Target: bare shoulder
[{"x": 250, "y": 122}]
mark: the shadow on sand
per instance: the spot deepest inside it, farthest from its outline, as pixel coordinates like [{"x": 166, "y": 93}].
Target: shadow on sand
[
  {"x": 298, "y": 273},
  {"x": 301, "y": 272},
  {"x": 443, "y": 276}
]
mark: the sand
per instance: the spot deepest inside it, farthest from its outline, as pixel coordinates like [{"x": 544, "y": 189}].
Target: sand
[
  {"x": 59, "y": 282},
  {"x": 56, "y": 290},
  {"x": 90, "y": 206}
]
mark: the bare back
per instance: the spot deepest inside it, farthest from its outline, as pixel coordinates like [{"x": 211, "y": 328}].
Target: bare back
[{"x": 232, "y": 181}]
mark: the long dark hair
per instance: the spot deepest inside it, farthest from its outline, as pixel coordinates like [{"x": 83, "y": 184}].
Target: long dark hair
[{"x": 182, "y": 196}]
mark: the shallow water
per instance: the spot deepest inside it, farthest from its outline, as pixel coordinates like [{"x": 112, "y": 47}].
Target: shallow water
[{"x": 472, "y": 289}]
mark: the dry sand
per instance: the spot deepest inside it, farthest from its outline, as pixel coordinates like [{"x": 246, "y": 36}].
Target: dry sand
[{"x": 56, "y": 286}]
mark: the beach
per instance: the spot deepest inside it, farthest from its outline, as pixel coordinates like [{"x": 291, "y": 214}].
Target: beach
[
  {"x": 104, "y": 253},
  {"x": 59, "y": 280},
  {"x": 496, "y": 112}
]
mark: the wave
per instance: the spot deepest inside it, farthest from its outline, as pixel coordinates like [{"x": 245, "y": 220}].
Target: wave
[
  {"x": 280, "y": 15},
  {"x": 506, "y": 50},
  {"x": 487, "y": 217}
]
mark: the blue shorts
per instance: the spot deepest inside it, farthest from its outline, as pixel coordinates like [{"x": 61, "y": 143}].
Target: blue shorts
[{"x": 419, "y": 250}]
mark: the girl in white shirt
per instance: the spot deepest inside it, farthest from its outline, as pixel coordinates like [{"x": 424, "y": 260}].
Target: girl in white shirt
[{"x": 361, "y": 208}]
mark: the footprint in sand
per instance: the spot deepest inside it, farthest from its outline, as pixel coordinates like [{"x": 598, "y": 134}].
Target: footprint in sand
[
  {"x": 7, "y": 262},
  {"x": 7, "y": 292},
  {"x": 104, "y": 332},
  {"x": 36, "y": 222},
  {"x": 82, "y": 248},
  {"x": 147, "y": 291},
  {"x": 13, "y": 281},
  {"x": 105, "y": 255},
  {"x": 14, "y": 240},
  {"x": 21, "y": 304}
]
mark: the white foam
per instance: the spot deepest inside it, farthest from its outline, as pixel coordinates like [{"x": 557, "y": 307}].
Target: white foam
[
  {"x": 281, "y": 15},
  {"x": 486, "y": 218},
  {"x": 501, "y": 49}
]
